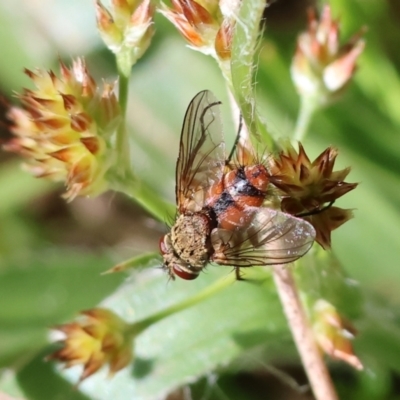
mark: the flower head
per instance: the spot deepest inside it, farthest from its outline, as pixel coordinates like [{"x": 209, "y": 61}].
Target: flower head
[
  {"x": 333, "y": 333},
  {"x": 99, "y": 338},
  {"x": 308, "y": 189},
  {"x": 321, "y": 68},
  {"x": 126, "y": 28},
  {"x": 206, "y": 25},
  {"x": 64, "y": 126}
]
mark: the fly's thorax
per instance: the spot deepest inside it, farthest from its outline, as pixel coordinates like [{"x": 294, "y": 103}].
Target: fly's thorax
[
  {"x": 190, "y": 239},
  {"x": 248, "y": 180}
]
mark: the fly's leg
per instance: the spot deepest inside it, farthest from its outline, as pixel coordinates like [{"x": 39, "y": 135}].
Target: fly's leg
[
  {"x": 171, "y": 275},
  {"x": 239, "y": 277},
  {"x": 314, "y": 212},
  {"x": 229, "y": 159}
]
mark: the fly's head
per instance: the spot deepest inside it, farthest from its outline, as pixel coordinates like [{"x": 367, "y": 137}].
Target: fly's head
[
  {"x": 173, "y": 263},
  {"x": 187, "y": 249}
]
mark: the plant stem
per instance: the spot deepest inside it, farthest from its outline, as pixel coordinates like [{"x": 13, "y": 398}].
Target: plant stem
[
  {"x": 225, "y": 68},
  {"x": 209, "y": 291},
  {"x": 132, "y": 263},
  {"x": 310, "y": 355},
  {"x": 144, "y": 195},
  {"x": 307, "y": 108},
  {"x": 122, "y": 141}
]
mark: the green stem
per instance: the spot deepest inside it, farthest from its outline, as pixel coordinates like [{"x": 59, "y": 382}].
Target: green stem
[
  {"x": 307, "y": 108},
  {"x": 221, "y": 284},
  {"x": 244, "y": 47},
  {"x": 122, "y": 141},
  {"x": 144, "y": 195},
  {"x": 137, "y": 261},
  {"x": 225, "y": 67},
  {"x": 123, "y": 179}
]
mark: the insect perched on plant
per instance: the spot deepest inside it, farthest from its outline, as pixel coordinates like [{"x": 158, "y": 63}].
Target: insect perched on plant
[{"x": 221, "y": 217}]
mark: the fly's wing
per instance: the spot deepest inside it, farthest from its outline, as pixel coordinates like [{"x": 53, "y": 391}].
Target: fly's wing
[
  {"x": 201, "y": 158},
  {"x": 272, "y": 237}
]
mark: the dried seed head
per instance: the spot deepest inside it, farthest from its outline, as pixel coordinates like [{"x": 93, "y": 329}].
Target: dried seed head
[{"x": 307, "y": 187}]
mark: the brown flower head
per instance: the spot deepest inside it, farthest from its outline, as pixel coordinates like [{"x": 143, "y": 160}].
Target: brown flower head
[
  {"x": 127, "y": 27},
  {"x": 334, "y": 334},
  {"x": 308, "y": 189},
  {"x": 206, "y": 25},
  {"x": 64, "y": 127},
  {"x": 321, "y": 68},
  {"x": 99, "y": 338}
]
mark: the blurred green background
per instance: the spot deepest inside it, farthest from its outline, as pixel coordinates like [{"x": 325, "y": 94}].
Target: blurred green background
[{"x": 52, "y": 253}]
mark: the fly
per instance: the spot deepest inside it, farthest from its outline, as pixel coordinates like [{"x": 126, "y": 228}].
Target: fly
[{"x": 221, "y": 217}]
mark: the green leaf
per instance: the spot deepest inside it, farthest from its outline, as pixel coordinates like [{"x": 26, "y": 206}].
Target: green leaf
[
  {"x": 38, "y": 380},
  {"x": 242, "y": 322},
  {"x": 187, "y": 345},
  {"x": 379, "y": 337},
  {"x": 9, "y": 385},
  {"x": 41, "y": 290}
]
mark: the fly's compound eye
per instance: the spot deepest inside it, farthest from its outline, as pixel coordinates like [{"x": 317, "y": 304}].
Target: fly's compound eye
[
  {"x": 186, "y": 274},
  {"x": 162, "y": 246}
]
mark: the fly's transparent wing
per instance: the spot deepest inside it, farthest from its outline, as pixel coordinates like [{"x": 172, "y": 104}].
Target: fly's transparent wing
[
  {"x": 201, "y": 158},
  {"x": 272, "y": 237}
]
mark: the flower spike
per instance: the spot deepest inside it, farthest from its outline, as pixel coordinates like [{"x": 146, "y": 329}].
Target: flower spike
[
  {"x": 99, "y": 338},
  {"x": 64, "y": 127},
  {"x": 207, "y": 26},
  {"x": 126, "y": 29},
  {"x": 321, "y": 68},
  {"x": 334, "y": 334}
]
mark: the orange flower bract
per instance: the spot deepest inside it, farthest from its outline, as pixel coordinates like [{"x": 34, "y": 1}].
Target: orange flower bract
[{"x": 205, "y": 25}]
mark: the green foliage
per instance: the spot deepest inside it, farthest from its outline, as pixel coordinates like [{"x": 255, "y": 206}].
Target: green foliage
[
  {"x": 44, "y": 282},
  {"x": 40, "y": 290}
]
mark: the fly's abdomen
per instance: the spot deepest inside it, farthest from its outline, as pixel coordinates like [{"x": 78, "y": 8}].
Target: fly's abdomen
[{"x": 238, "y": 195}]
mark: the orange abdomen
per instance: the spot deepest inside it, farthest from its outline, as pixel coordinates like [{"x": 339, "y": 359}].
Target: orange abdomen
[{"x": 239, "y": 193}]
